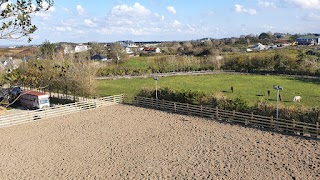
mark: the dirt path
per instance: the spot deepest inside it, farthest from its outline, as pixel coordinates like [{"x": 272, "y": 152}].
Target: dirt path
[{"x": 121, "y": 141}]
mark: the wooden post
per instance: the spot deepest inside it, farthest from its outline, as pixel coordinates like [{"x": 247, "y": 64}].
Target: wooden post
[
  {"x": 188, "y": 111},
  {"x": 271, "y": 123},
  {"x": 233, "y": 115},
  {"x": 114, "y": 99},
  {"x": 175, "y": 107},
  {"x": 293, "y": 126},
  {"x": 201, "y": 111},
  {"x": 317, "y": 130},
  {"x": 303, "y": 130},
  {"x": 217, "y": 113},
  {"x": 162, "y": 103}
]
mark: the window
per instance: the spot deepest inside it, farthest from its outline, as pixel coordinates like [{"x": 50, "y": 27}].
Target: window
[{"x": 44, "y": 101}]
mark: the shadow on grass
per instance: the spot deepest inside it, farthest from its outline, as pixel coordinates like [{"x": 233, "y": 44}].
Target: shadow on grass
[{"x": 313, "y": 80}]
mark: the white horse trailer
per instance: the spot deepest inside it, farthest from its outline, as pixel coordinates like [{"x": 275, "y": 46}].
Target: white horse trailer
[{"x": 34, "y": 99}]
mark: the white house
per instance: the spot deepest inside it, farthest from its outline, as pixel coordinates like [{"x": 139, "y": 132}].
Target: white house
[
  {"x": 128, "y": 50},
  {"x": 258, "y": 47},
  {"x": 68, "y": 50},
  {"x": 81, "y": 48}
]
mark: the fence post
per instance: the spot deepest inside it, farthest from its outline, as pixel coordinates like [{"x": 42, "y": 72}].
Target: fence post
[
  {"x": 233, "y": 115},
  {"x": 271, "y": 123},
  {"x": 114, "y": 99},
  {"x": 175, "y": 107},
  {"x": 317, "y": 130},
  {"x": 201, "y": 115},
  {"x": 217, "y": 113},
  {"x": 188, "y": 112},
  {"x": 293, "y": 126},
  {"x": 303, "y": 130}
]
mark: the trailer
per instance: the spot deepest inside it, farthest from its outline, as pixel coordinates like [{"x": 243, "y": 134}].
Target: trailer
[{"x": 34, "y": 99}]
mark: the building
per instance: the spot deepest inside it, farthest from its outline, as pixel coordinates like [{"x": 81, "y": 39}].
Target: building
[
  {"x": 308, "y": 40},
  {"x": 99, "y": 57},
  {"x": 279, "y": 35},
  {"x": 151, "y": 50},
  {"x": 81, "y": 48},
  {"x": 258, "y": 47}
]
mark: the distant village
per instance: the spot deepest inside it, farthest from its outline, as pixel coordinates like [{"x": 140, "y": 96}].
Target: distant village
[{"x": 263, "y": 42}]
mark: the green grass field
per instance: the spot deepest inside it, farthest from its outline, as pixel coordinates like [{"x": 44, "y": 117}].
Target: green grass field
[
  {"x": 136, "y": 62},
  {"x": 249, "y": 87}
]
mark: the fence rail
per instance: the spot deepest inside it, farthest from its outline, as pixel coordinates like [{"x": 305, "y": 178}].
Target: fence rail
[
  {"x": 31, "y": 115},
  {"x": 263, "y": 122}
]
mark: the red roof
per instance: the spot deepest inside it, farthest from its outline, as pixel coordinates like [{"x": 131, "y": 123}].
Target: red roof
[
  {"x": 35, "y": 93},
  {"x": 149, "y": 49}
]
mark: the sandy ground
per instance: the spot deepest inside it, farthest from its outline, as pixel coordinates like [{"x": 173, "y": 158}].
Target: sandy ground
[{"x": 124, "y": 142}]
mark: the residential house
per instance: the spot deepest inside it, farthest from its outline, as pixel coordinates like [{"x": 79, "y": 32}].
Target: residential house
[
  {"x": 128, "y": 46},
  {"x": 151, "y": 50},
  {"x": 99, "y": 57},
  {"x": 308, "y": 40},
  {"x": 279, "y": 35},
  {"x": 81, "y": 48},
  {"x": 71, "y": 49}
]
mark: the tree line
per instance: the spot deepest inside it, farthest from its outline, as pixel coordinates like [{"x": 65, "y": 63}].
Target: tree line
[{"x": 61, "y": 76}]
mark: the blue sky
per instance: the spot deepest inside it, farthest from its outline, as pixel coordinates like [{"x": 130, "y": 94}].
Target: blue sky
[{"x": 147, "y": 20}]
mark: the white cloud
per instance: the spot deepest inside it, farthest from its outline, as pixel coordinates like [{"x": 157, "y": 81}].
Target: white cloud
[
  {"x": 44, "y": 14},
  {"x": 267, "y": 27},
  {"x": 210, "y": 13},
  {"x": 307, "y": 4},
  {"x": 135, "y": 10},
  {"x": 65, "y": 9},
  {"x": 267, "y": 4},
  {"x": 63, "y": 29},
  {"x": 312, "y": 17},
  {"x": 176, "y": 24},
  {"x": 89, "y": 23},
  {"x": 171, "y": 10},
  {"x": 80, "y": 10},
  {"x": 126, "y": 19},
  {"x": 240, "y": 9}
]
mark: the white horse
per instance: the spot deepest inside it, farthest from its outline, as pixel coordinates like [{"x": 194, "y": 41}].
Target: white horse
[{"x": 297, "y": 99}]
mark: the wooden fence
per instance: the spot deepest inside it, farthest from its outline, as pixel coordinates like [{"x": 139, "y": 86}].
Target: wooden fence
[
  {"x": 263, "y": 122},
  {"x": 32, "y": 115}
]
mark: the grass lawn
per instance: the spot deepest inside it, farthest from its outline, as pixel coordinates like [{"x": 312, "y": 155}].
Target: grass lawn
[
  {"x": 136, "y": 62},
  {"x": 249, "y": 87}
]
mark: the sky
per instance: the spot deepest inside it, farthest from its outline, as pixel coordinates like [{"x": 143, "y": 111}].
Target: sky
[{"x": 83, "y": 21}]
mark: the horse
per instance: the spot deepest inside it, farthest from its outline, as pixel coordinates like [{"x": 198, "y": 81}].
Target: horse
[{"x": 297, "y": 99}]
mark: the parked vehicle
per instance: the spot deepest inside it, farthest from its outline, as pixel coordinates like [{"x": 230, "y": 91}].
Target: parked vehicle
[{"x": 34, "y": 99}]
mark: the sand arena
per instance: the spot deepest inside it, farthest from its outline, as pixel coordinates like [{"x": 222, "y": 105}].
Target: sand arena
[{"x": 125, "y": 142}]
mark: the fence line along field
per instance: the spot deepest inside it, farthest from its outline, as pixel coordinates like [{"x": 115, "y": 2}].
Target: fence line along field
[
  {"x": 127, "y": 142},
  {"x": 262, "y": 122}
]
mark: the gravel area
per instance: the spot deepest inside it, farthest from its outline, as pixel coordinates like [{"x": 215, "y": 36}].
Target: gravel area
[{"x": 126, "y": 142}]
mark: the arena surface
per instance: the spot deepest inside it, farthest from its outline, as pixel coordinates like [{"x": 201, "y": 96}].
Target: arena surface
[{"x": 125, "y": 142}]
